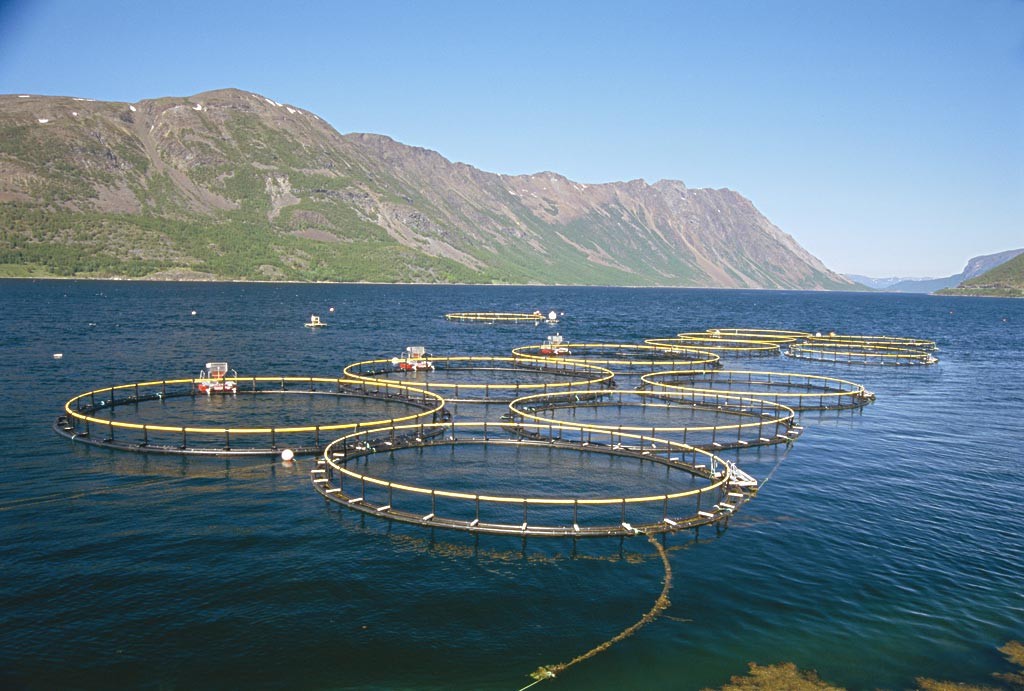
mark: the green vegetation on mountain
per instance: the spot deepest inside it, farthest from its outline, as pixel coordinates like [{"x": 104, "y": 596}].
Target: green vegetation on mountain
[
  {"x": 232, "y": 185},
  {"x": 1006, "y": 280}
]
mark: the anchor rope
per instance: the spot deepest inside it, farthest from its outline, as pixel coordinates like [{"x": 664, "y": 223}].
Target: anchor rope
[{"x": 660, "y": 605}]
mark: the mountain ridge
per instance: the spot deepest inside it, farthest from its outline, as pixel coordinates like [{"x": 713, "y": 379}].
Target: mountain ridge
[
  {"x": 976, "y": 266},
  {"x": 231, "y": 184},
  {"x": 1005, "y": 279}
]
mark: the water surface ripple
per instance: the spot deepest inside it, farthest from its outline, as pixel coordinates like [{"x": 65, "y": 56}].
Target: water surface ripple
[{"x": 887, "y": 543}]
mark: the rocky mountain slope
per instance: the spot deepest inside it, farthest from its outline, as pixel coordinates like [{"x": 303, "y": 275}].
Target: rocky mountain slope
[{"x": 230, "y": 184}]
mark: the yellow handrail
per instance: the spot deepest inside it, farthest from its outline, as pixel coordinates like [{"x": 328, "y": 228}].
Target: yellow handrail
[{"x": 437, "y": 403}]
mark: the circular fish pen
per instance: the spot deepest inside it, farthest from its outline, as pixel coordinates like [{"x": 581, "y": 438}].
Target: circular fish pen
[
  {"x": 738, "y": 347},
  {"x": 794, "y": 390},
  {"x": 494, "y": 379},
  {"x": 777, "y": 335},
  {"x": 706, "y": 420},
  {"x": 856, "y": 354},
  {"x": 496, "y": 317},
  {"x": 700, "y": 488},
  {"x": 89, "y": 418},
  {"x": 874, "y": 341},
  {"x": 625, "y": 358}
]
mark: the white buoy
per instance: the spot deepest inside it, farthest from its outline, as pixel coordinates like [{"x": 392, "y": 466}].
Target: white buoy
[
  {"x": 332, "y": 309},
  {"x": 286, "y": 457},
  {"x": 193, "y": 313}
]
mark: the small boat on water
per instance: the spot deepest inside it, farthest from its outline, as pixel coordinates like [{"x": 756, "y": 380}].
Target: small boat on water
[
  {"x": 553, "y": 345},
  {"x": 415, "y": 359},
  {"x": 314, "y": 322},
  {"x": 214, "y": 379}
]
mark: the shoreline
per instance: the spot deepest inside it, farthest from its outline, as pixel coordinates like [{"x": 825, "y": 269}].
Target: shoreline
[{"x": 412, "y": 283}]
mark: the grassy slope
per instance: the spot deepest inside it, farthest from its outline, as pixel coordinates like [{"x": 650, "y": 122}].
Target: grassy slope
[
  {"x": 1005, "y": 280},
  {"x": 67, "y": 228}
]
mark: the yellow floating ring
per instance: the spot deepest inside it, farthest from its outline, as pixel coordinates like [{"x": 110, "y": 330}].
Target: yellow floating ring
[
  {"x": 651, "y": 356},
  {"x": 469, "y": 511},
  {"x": 494, "y": 317},
  {"x": 856, "y": 354},
  {"x": 78, "y": 420},
  {"x": 729, "y": 346},
  {"x": 778, "y": 335},
  {"x": 763, "y": 422},
  {"x": 874, "y": 341},
  {"x": 821, "y": 393},
  {"x": 584, "y": 376}
]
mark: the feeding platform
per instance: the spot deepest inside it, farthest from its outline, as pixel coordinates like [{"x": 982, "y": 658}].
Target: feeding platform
[
  {"x": 215, "y": 380},
  {"x": 414, "y": 359}
]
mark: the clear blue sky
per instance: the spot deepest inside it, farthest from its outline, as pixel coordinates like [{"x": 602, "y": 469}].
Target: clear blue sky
[{"x": 886, "y": 136}]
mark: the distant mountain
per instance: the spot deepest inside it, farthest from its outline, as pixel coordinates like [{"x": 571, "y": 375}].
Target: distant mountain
[
  {"x": 880, "y": 283},
  {"x": 230, "y": 184},
  {"x": 923, "y": 285},
  {"x": 975, "y": 267},
  {"x": 1005, "y": 280}
]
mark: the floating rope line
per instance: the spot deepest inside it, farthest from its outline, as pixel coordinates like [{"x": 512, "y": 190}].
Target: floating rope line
[
  {"x": 798, "y": 391},
  {"x": 80, "y": 424},
  {"x": 574, "y": 376},
  {"x": 662, "y": 603}
]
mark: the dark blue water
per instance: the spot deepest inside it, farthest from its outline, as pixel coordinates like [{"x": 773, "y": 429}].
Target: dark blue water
[{"x": 886, "y": 544}]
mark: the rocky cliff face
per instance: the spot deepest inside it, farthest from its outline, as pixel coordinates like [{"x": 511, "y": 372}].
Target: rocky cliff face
[
  {"x": 994, "y": 275},
  {"x": 976, "y": 266},
  {"x": 235, "y": 185}
]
